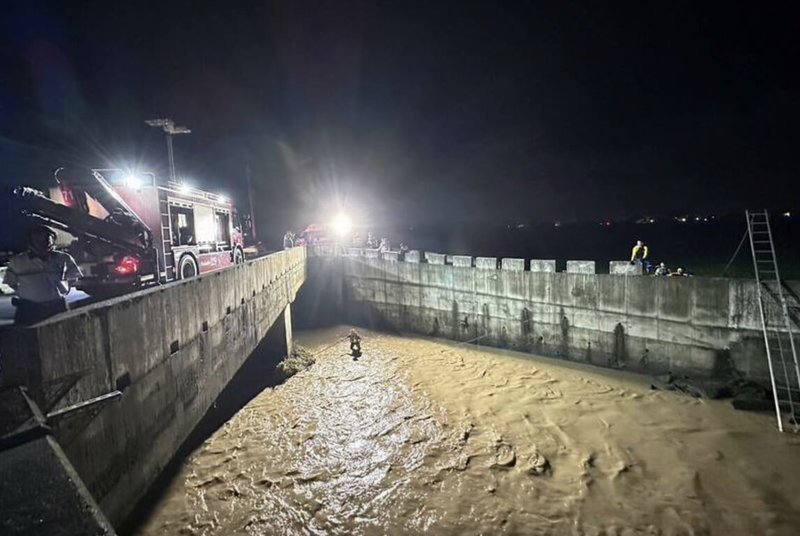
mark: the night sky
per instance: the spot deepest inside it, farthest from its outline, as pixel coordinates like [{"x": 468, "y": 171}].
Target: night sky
[{"x": 416, "y": 112}]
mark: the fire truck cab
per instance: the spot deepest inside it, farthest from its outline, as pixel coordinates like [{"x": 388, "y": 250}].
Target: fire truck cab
[{"x": 129, "y": 231}]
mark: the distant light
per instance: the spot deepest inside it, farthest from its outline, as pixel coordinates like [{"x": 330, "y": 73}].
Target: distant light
[
  {"x": 342, "y": 225},
  {"x": 133, "y": 181},
  {"x": 221, "y": 198},
  {"x": 787, "y": 214},
  {"x": 185, "y": 188}
]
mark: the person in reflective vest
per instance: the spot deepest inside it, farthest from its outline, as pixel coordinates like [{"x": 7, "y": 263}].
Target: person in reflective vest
[{"x": 639, "y": 254}]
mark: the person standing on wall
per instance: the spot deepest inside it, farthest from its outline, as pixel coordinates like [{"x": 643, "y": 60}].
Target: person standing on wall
[
  {"x": 288, "y": 240},
  {"x": 639, "y": 254},
  {"x": 41, "y": 277}
]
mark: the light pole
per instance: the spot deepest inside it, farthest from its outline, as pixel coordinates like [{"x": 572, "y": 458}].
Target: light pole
[{"x": 168, "y": 126}]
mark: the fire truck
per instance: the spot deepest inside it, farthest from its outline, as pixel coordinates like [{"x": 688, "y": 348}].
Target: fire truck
[{"x": 129, "y": 231}]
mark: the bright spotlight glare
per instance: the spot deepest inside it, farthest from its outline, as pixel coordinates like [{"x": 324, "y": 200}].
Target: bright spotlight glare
[
  {"x": 185, "y": 188},
  {"x": 342, "y": 225},
  {"x": 133, "y": 181},
  {"x": 221, "y": 198}
]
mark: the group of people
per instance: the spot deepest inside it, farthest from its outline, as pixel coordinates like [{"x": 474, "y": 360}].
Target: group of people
[
  {"x": 372, "y": 243},
  {"x": 639, "y": 255}
]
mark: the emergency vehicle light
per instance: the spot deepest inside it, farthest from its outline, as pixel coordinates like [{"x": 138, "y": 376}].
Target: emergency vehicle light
[{"x": 127, "y": 265}]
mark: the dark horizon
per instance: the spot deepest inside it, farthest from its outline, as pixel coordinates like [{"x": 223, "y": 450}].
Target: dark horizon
[{"x": 416, "y": 112}]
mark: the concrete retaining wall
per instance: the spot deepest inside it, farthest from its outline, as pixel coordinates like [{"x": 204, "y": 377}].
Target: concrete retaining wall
[
  {"x": 539, "y": 265},
  {"x": 580, "y": 267},
  {"x": 700, "y": 326},
  {"x": 177, "y": 346},
  {"x": 462, "y": 261},
  {"x": 625, "y": 268}
]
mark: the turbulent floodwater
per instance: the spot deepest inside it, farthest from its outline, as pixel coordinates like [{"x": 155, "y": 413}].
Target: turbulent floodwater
[{"x": 425, "y": 436}]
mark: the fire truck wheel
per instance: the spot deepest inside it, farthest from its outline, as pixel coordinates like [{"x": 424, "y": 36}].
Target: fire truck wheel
[
  {"x": 238, "y": 256},
  {"x": 187, "y": 267}
]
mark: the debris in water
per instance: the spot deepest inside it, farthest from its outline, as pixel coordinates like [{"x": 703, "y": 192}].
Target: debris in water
[
  {"x": 504, "y": 456},
  {"x": 537, "y": 464},
  {"x": 300, "y": 359}
]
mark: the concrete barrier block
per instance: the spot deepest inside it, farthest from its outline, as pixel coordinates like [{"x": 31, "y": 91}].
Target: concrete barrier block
[
  {"x": 391, "y": 256},
  {"x": 412, "y": 256},
  {"x": 542, "y": 265},
  {"x": 462, "y": 261},
  {"x": 434, "y": 258},
  {"x": 486, "y": 263},
  {"x": 624, "y": 268},
  {"x": 513, "y": 265},
  {"x": 580, "y": 267},
  {"x": 372, "y": 253}
]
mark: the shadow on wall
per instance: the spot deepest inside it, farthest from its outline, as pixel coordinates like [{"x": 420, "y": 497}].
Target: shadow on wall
[
  {"x": 257, "y": 373},
  {"x": 319, "y": 301}
]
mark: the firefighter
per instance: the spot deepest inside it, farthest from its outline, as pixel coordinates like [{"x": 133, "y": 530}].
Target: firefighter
[
  {"x": 355, "y": 342},
  {"x": 41, "y": 277},
  {"x": 639, "y": 254},
  {"x": 678, "y": 273}
]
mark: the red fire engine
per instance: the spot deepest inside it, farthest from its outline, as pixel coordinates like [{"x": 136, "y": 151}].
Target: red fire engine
[{"x": 131, "y": 231}]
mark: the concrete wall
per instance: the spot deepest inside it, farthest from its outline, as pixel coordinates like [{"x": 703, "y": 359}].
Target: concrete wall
[
  {"x": 178, "y": 345},
  {"x": 700, "y": 326}
]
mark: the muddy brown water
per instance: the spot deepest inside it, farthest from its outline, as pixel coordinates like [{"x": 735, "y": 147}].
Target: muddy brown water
[{"x": 427, "y": 436}]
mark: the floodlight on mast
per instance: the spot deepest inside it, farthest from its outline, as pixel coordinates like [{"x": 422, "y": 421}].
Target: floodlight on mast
[{"x": 170, "y": 129}]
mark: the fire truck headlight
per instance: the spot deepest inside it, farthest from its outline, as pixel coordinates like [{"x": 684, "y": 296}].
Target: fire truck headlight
[
  {"x": 133, "y": 181},
  {"x": 342, "y": 225}
]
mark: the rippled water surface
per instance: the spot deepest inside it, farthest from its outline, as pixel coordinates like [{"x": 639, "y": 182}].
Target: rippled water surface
[{"x": 425, "y": 436}]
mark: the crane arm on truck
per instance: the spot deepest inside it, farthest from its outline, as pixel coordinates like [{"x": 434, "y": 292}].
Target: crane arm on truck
[
  {"x": 120, "y": 230},
  {"x": 77, "y": 182}
]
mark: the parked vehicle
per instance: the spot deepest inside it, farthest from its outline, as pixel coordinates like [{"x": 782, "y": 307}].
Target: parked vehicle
[
  {"x": 129, "y": 231},
  {"x": 314, "y": 235}
]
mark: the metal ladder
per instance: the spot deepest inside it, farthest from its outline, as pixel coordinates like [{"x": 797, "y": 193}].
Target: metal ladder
[
  {"x": 777, "y": 326},
  {"x": 166, "y": 239}
]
